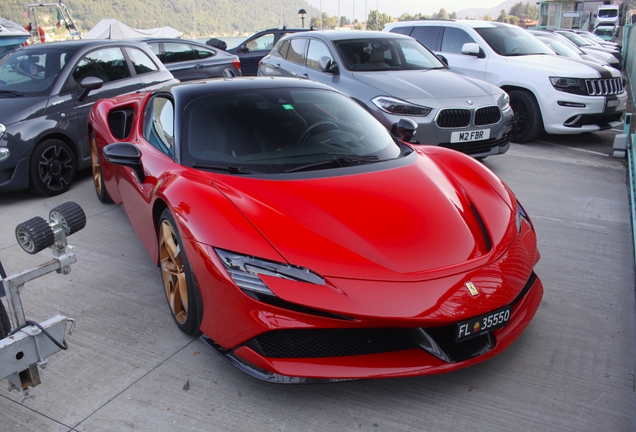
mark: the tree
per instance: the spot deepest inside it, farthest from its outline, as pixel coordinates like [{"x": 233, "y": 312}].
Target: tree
[
  {"x": 453, "y": 16},
  {"x": 376, "y": 21},
  {"x": 513, "y": 20},
  {"x": 487, "y": 18},
  {"x": 503, "y": 17},
  {"x": 442, "y": 14}
]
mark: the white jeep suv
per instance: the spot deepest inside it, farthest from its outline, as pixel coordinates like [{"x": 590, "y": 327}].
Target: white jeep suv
[{"x": 555, "y": 94}]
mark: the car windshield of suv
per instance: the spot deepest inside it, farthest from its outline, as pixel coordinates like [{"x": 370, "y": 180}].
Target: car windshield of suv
[
  {"x": 282, "y": 131},
  {"x": 31, "y": 72},
  {"x": 386, "y": 54},
  {"x": 512, "y": 41}
]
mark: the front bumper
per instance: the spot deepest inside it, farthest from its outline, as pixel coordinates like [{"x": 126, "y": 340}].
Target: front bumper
[
  {"x": 562, "y": 116},
  {"x": 398, "y": 352},
  {"x": 430, "y": 133}
]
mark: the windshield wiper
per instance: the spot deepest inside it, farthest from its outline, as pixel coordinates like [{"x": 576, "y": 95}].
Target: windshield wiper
[
  {"x": 5, "y": 93},
  {"x": 232, "y": 169},
  {"x": 336, "y": 162}
]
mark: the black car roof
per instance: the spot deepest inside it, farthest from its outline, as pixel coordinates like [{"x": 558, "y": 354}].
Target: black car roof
[{"x": 192, "y": 89}]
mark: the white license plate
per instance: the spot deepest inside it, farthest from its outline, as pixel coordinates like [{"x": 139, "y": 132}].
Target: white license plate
[{"x": 473, "y": 135}]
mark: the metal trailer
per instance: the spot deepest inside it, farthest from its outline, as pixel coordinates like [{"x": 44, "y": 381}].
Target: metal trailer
[{"x": 25, "y": 344}]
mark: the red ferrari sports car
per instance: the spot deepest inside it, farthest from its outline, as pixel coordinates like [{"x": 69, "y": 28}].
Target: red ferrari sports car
[{"x": 305, "y": 241}]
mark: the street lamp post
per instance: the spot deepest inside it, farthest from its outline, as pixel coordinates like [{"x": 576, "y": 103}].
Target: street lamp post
[{"x": 302, "y": 14}]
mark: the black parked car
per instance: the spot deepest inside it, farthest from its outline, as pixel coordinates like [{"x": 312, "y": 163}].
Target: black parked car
[
  {"x": 46, "y": 92},
  {"x": 189, "y": 60},
  {"x": 257, "y": 46}
]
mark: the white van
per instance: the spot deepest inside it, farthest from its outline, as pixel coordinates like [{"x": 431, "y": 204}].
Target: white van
[{"x": 607, "y": 15}]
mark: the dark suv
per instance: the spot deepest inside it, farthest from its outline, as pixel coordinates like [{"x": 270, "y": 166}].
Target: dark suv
[{"x": 257, "y": 46}]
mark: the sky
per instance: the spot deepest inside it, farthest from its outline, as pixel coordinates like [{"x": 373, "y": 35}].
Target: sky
[{"x": 396, "y": 8}]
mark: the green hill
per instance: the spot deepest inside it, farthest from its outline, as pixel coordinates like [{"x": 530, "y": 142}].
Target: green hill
[{"x": 194, "y": 18}]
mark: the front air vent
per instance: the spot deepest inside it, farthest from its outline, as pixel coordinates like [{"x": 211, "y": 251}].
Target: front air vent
[
  {"x": 603, "y": 87},
  {"x": 487, "y": 116},
  {"x": 453, "y": 118}
]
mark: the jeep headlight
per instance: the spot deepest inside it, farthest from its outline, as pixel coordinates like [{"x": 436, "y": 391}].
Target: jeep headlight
[
  {"x": 569, "y": 85},
  {"x": 245, "y": 270},
  {"x": 400, "y": 107}
]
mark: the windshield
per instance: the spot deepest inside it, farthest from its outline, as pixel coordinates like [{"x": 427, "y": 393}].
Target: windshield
[
  {"x": 282, "y": 130},
  {"x": 607, "y": 13},
  {"x": 578, "y": 40},
  {"x": 31, "y": 71},
  {"x": 386, "y": 54},
  {"x": 512, "y": 41},
  {"x": 560, "y": 48}
]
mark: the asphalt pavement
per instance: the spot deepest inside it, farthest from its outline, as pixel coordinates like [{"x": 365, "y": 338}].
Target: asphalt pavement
[{"x": 129, "y": 368}]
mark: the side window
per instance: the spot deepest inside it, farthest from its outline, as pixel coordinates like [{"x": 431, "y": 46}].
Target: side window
[
  {"x": 454, "y": 39},
  {"x": 281, "y": 49},
  {"x": 316, "y": 50},
  {"x": 203, "y": 52},
  {"x": 264, "y": 42},
  {"x": 160, "y": 125},
  {"x": 296, "y": 50},
  {"x": 402, "y": 30},
  {"x": 178, "y": 52},
  {"x": 427, "y": 36},
  {"x": 109, "y": 64},
  {"x": 141, "y": 62}
]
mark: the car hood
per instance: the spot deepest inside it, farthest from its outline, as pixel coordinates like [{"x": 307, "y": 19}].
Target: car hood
[
  {"x": 552, "y": 65},
  {"x": 435, "y": 84},
  {"x": 392, "y": 224}
]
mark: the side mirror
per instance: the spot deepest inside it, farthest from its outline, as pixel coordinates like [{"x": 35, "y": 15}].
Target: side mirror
[
  {"x": 328, "y": 65},
  {"x": 125, "y": 154},
  {"x": 406, "y": 127},
  {"x": 472, "y": 49},
  {"x": 244, "y": 49},
  {"x": 442, "y": 59},
  {"x": 87, "y": 84}
]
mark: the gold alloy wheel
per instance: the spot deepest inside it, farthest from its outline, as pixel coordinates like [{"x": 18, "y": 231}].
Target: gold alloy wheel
[
  {"x": 97, "y": 169},
  {"x": 172, "y": 272}
]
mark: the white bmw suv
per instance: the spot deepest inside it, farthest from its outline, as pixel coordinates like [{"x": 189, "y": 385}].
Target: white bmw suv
[{"x": 555, "y": 94}]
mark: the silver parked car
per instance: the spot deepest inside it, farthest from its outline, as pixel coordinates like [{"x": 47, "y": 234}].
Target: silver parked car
[{"x": 394, "y": 76}]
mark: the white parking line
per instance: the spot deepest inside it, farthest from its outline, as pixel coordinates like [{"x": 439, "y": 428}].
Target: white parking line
[{"x": 575, "y": 149}]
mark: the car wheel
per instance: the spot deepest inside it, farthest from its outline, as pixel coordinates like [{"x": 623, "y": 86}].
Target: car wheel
[
  {"x": 526, "y": 123},
  {"x": 52, "y": 168},
  {"x": 5, "y": 325},
  {"x": 98, "y": 179},
  {"x": 178, "y": 282}
]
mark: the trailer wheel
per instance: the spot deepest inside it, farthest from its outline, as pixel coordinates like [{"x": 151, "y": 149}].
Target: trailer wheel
[{"x": 5, "y": 325}]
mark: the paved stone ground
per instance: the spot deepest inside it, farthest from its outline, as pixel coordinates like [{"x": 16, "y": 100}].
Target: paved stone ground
[{"x": 127, "y": 364}]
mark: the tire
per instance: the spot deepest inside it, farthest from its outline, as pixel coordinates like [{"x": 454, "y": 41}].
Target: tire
[
  {"x": 5, "y": 325},
  {"x": 52, "y": 168},
  {"x": 527, "y": 123},
  {"x": 179, "y": 284},
  {"x": 70, "y": 215},
  {"x": 98, "y": 179},
  {"x": 34, "y": 235}
]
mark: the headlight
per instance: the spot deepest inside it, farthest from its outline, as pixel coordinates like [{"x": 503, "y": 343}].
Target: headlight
[
  {"x": 4, "y": 153},
  {"x": 3, "y": 129},
  {"x": 400, "y": 107},
  {"x": 521, "y": 215},
  {"x": 569, "y": 85},
  {"x": 245, "y": 270},
  {"x": 504, "y": 101}
]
